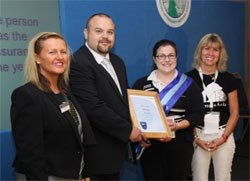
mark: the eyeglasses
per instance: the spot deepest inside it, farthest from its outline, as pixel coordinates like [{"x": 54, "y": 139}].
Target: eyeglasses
[{"x": 170, "y": 57}]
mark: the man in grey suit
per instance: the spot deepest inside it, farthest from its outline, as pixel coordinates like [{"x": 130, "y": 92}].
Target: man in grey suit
[{"x": 98, "y": 80}]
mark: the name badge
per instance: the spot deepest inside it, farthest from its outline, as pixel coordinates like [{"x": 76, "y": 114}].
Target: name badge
[
  {"x": 211, "y": 123},
  {"x": 171, "y": 121},
  {"x": 64, "y": 107}
]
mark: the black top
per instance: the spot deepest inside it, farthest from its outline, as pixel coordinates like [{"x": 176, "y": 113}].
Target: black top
[
  {"x": 47, "y": 141},
  {"x": 227, "y": 83}
]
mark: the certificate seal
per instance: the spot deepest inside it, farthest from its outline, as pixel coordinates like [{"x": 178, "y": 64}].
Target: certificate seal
[
  {"x": 174, "y": 12},
  {"x": 143, "y": 125}
]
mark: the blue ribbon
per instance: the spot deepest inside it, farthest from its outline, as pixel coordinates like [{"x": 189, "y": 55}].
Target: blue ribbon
[{"x": 173, "y": 91}]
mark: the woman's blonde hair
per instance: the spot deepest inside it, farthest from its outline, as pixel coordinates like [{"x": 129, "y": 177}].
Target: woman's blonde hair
[
  {"x": 211, "y": 40},
  {"x": 31, "y": 69}
]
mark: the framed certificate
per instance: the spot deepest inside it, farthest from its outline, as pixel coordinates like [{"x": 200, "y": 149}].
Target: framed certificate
[{"x": 147, "y": 113}]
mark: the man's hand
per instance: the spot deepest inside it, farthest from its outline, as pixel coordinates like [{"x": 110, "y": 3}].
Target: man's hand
[{"x": 136, "y": 135}]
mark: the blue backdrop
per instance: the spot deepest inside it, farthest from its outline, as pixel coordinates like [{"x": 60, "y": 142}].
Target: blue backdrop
[{"x": 139, "y": 26}]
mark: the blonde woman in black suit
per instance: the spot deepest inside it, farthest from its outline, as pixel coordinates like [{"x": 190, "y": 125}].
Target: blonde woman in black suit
[{"x": 50, "y": 129}]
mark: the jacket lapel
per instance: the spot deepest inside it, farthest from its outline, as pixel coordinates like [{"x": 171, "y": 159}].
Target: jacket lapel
[
  {"x": 65, "y": 116},
  {"x": 100, "y": 68},
  {"x": 120, "y": 77}
]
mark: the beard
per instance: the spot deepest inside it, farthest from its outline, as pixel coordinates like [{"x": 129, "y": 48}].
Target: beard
[{"x": 104, "y": 49}]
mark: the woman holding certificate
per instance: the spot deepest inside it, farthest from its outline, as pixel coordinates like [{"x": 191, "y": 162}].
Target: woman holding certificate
[{"x": 181, "y": 98}]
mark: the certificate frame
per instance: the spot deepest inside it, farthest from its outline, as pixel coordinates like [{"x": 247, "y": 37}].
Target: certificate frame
[{"x": 153, "y": 98}]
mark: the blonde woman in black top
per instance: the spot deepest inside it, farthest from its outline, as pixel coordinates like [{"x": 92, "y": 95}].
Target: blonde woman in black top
[{"x": 50, "y": 129}]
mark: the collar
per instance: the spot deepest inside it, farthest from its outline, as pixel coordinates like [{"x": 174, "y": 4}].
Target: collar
[
  {"x": 156, "y": 82},
  {"x": 99, "y": 58},
  {"x": 152, "y": 76}
]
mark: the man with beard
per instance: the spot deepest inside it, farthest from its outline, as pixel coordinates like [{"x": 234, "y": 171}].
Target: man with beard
[{"x": 98, "y": 80}]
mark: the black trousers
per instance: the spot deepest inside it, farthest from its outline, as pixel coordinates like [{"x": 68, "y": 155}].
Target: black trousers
[
  {"x": 168, "y": 161},
  {"x": 110, "y": 177}
]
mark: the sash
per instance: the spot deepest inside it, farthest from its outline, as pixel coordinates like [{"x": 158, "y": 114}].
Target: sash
[{"x": 173, "y": 91}]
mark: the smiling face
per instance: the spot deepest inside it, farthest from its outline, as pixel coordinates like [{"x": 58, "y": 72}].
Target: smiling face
[
  {"x": 210, "y": 55},
  {"x": 165, "y": 59},
  {"x": 53, "y": 58},
  {"x": 100, "y": 34}
]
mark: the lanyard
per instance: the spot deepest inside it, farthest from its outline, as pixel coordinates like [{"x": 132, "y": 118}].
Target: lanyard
[{"x": 205, "y": 88}]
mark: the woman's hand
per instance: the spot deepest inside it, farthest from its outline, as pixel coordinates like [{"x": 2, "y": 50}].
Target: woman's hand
[
  {"x": 172, "y": 124},
  {"x": 215, "y": 143},
  {"x": 205, "y": 145},
  {"x": 165, "y": 139},
  {"x": 210, "y": 145}
]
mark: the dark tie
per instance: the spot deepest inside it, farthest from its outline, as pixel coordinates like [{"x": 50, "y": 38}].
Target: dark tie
[{"x": 73, "y": 113}]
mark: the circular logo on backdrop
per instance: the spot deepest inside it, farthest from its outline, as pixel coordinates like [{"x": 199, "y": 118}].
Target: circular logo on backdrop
[{"x": 174, "y": 12}]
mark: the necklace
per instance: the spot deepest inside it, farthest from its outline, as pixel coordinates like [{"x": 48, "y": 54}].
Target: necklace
[
  {"x": 212, "y": 76},
  {"x": 205, "y": 88}
]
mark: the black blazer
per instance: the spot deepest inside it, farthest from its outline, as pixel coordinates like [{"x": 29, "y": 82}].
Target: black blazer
[
  {"x": 106, "y": 109},
  {"x": 47, "y": 141}
]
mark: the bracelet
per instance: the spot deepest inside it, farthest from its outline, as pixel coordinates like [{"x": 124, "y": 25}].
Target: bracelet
[
  {"x": 196, "y": 138},
  {"x": 224, "y": 137}
]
